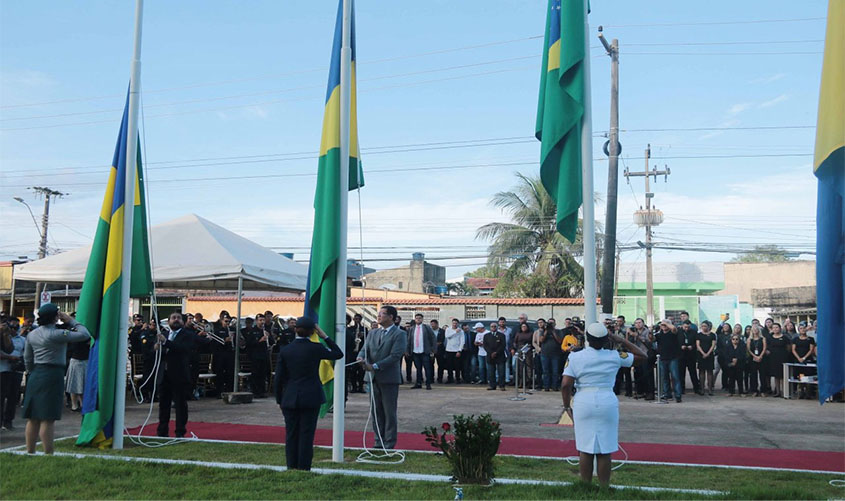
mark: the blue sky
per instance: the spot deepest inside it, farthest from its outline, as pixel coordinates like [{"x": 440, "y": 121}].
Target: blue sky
[{"x": 247, "y": 80}]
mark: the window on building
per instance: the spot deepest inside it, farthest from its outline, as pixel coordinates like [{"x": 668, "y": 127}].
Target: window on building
[
  {"x": 475, "y": 312},
  {"x": 400, "y": 284}
]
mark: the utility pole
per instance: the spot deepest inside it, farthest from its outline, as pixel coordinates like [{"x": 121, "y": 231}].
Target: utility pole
[
  {"x": 612, "y": 150},
  {"x": 648, "y": 218},
  {"x": 47, "y": 193}
]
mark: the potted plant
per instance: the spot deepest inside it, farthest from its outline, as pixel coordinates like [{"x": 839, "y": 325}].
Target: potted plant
[{"x": 469, "y": 448}]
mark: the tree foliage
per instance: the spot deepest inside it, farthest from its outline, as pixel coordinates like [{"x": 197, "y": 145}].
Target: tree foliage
[
  {"x": 769, "y": 253},
  {"x": 537, "y": 260}
]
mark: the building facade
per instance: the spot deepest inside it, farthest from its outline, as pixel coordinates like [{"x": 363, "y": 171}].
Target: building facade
[{"x": 418, "y": 276}]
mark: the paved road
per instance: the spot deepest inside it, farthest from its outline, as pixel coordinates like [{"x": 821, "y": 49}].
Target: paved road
[{"x": 718, "y": 420}]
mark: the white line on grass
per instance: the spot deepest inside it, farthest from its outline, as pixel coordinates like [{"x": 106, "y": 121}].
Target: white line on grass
[
  {"x": 419, "y": 477},
  {"x": 553, "y": 458}
]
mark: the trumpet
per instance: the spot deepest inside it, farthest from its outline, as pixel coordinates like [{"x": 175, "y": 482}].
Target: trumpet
[{"x": 214, "y": 337}]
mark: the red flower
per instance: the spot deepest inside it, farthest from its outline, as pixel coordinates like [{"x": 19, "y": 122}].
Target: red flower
[{"x": 446, "y": 426}]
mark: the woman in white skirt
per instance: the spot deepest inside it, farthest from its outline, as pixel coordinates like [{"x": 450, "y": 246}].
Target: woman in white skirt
[
  {"x": 76, "y": 370},
  {"x": 592, "y": 371}
]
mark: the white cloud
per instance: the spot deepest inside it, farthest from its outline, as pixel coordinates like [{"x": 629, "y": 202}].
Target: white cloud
[
  {"x": 772, "y": 102},
  {"x": 768, "y": 79},
  {"x": 256, "y": 112},
  {"x": 739, "y": 108}
]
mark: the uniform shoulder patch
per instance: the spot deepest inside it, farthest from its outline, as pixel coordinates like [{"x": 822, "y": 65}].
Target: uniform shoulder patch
[{"x": 623, "y": 354}]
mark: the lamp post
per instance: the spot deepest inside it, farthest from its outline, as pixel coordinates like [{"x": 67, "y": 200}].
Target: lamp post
[{"x": 42, "y": 247}]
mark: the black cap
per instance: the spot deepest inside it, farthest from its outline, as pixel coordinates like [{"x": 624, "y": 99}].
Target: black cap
[
  {"x": 305, "y": 323},
  {"x": 48, "y": 309}
]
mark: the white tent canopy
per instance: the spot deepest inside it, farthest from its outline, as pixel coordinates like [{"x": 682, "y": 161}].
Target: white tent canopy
[{"x": 188, "y": 253}]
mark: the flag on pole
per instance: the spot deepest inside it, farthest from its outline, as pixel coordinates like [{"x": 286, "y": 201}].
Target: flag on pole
[
  {"x": 829, "y": 167},
  {"x": 99, "y": 302},
  {"x": 560, "y": 110},
  {"x": 321, "y": 294}
]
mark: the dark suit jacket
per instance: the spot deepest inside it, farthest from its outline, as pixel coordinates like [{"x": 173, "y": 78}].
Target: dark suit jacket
[
  {"x": 297, "y": 380},
  {"x": 429, "y": 339},
  {"x": 495, "y": 343},
  {"x": 177, "y": 355}
]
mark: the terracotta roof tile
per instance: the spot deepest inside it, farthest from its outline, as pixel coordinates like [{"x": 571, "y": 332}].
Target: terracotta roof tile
[
  {"x": 490, "y": 300},
  {"x": 482, "y": 283}
]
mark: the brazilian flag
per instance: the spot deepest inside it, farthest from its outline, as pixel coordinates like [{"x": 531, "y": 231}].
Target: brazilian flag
[
  {"x": 321, "y": 294},
  {"x": 829, "y": 167},
  {"x": 99, "y": 302},
  {"x": 561, "y": 109}
]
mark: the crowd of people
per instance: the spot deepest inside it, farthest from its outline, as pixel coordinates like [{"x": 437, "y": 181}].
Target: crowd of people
[{"x": 745, "y": 360}]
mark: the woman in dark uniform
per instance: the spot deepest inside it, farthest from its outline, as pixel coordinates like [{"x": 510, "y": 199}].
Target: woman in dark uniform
[
  {"x": 735, "y": 361},
  {"x": 705, "y": 346},
  {"x": 778, "y": 355},
  {"x": 756, "y": 347}
]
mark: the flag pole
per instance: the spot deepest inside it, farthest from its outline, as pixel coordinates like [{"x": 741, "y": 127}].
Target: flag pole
[
  {"x": 589, "y": 219},
  {"x": 128, "y": 212},
  {"x": 340, "y": 313}
]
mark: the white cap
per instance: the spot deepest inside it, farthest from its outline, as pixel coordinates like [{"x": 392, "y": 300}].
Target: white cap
[
  {"x": 596, "y": 329},
  {"x": 479, "y": 325}
]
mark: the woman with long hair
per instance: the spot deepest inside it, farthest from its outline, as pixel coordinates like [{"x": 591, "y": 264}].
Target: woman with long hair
[
  {"x": 758, "y": 374},
  {"x": 705, "y": 346}
]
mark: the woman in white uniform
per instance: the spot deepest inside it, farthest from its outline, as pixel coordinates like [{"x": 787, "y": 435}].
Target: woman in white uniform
[{"x": 592, "y": 371}]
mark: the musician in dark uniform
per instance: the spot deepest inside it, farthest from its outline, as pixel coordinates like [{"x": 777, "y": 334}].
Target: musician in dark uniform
[
  {"x": 142, "y": 339},
  {"x": 356, "y": 334},
  {"x": 257, "y": 342},
  {"x": 223, "y": 356},
  {"x": 299, "y": 391}
]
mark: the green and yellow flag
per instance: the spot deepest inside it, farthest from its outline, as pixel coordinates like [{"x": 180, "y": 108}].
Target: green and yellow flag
[
  {"x": 321, "y": 294},
  {"x": 561, "y": 109},
  {"x": 99, "y": 302}
]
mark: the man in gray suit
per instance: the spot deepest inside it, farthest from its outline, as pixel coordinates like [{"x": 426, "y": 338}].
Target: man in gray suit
[
  {"x": 381, "y": 358},
  {"x": 421, "y": 345}
]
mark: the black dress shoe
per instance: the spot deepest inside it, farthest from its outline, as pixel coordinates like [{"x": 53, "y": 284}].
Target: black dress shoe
[
  {"x": 416, "y": 387},
  {"x": 428, "y": 387}
]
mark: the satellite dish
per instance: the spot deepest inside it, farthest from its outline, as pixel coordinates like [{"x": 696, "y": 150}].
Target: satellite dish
[{"x": 388, "y": 287}]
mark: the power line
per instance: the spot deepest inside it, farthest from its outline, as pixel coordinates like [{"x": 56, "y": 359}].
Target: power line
[{"x": 715, "y": 23}]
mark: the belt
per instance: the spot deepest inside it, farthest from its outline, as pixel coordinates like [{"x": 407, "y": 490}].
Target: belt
[
  {"x": 57, "y": 366},
  {"x": 592, "y": 388}
]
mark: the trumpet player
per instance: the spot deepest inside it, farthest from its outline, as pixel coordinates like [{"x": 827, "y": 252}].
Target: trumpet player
[{"x": 258, "y": 346}]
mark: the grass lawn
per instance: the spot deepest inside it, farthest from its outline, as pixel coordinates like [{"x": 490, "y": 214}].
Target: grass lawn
[{"x": 69, "y": 478}]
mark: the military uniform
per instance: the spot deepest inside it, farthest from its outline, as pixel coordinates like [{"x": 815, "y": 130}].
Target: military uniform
[
  {"x": 141, "y": 342},
  {"x": 258, "y": 351},
  {"x": 595, "y": 407},
  {"x": 223, "y": 359}
]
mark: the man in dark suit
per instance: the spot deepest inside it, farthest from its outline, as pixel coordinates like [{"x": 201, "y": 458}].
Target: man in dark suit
[
  {"x": 299, "y": 391},
  {"x": 175, "y": 373},
  {"x": 421, "y": 344},
  {"x": 381, "y": 357},
  {"x": 440, "y": 350},
  {"x": 494, "y": 345}
]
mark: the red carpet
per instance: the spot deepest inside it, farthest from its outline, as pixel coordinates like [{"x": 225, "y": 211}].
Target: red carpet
[{"x": 527, "y": 446}]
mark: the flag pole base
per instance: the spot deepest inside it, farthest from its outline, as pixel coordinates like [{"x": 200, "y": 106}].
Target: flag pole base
[{"x": 237, "y": 397}]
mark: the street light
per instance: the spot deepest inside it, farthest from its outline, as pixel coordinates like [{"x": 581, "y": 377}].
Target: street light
[{"x": 21, "y": 200}]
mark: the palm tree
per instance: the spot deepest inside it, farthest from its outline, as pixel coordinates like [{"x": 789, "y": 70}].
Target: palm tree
[{"x": 539, "y": 261}]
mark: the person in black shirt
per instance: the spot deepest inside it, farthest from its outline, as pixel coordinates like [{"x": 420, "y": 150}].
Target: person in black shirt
[
  {"x": 258, "y": 346},
  {"x": 757, "y": 364},
  {"x": 440, "y": 351},
  {"x": 779, "y": 350},
  {"x": 804, "y": 350},
  {"x": 688, "y": 355},
  {"x": 355, "y": 335},
  {"x": 734, "y": 360},
  {"x": 705, "y": 347},
  {"x": 669, "y": 349},
  {"x": 223, "y": 356}
]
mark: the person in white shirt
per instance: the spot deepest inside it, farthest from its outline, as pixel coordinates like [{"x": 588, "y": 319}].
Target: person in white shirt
[
  {"x": 454, "y": 346},
  {"x": 482, "y": 353}
]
